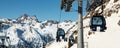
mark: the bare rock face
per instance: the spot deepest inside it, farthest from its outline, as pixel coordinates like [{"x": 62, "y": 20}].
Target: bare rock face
[
  {"x": 119, "y": 23},
  {"x": 115, "y": 1},
  {"x": 27, "y": 18}
]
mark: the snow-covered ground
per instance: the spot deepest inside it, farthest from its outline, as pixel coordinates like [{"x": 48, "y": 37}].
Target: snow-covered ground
[
  {"x": 109, "y": 38},
  {"x": 58, "y": 45}
]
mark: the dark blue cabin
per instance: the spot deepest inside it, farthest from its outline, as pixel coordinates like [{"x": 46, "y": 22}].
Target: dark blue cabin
[{"x": 97, "y": 21}]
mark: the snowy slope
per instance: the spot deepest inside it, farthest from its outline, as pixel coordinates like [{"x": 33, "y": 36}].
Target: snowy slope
[{"x": 109, "y": 38}]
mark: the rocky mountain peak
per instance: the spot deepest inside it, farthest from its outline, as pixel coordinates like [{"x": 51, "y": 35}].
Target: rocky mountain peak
[{"x": 26, "y": 17}]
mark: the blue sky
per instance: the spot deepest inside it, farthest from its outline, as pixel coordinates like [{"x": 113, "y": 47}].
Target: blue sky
[{"x": 43, "y": 9}]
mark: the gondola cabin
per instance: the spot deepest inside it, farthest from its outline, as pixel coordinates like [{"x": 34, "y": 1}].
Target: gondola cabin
[
  {"x": 97, "y": 21},
  {"x": 71, "y": 39},
  {"x": 60, "y": 33}
]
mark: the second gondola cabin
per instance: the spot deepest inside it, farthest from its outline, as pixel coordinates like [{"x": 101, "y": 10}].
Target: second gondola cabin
[{"x": 60, "y": 33}]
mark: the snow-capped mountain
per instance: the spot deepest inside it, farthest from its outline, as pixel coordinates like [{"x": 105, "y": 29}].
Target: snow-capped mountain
[
  {"x": 26, "y": 31},
  {"x": 22, "y": 31}
]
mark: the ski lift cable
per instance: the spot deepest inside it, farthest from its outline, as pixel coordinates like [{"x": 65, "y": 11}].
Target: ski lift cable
[{"x": 59, "y": 17}]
